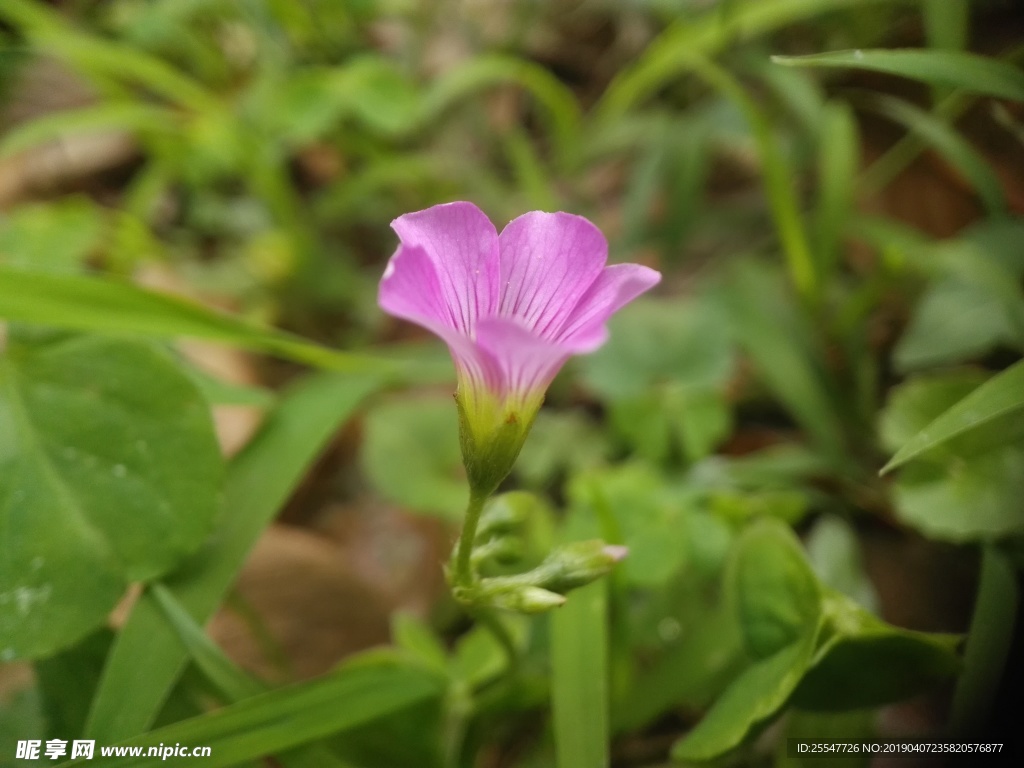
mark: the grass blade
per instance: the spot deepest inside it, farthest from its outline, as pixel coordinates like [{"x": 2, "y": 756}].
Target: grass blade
[
  {"x": 87, "y": 303},
  {"x": 945, "y": 140},
  {"x": 285, "y": 718},
  {"x": 954, "y": 69},
  {"x": 147, "y": 656},
  {"x": 579, "y": 682},
  {"x": 1000, "y": 396}
]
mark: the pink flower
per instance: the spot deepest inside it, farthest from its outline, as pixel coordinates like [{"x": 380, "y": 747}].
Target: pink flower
[{"x": 513, "y": 307}]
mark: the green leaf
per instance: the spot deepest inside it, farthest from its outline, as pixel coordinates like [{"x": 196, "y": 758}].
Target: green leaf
[
  {"x": 866, "y": 662},
  {"x": 773, "y": 588},
  {"x": 950, "y": 144},
  {"x": 670, "y": 54},
  {"x": 956, "y": 69},
  {"x": 834, "y": 552},
  {"x": 967, "y": 486},
  {"x": 784, "y": 351},
  {"x": 281, "y": 719},
  {"x": 94, "y": 304},
  {"x": 964, "y": 499},
  {"x": 838, "y": 162},
  {"x": 579, "y": 678},
  {"x": 110, "y": 473},
  {"x": 752, "y": 699},
  {"x": 411, "y": 454},
  {"x": 259, "y": 480},
  {"x": 101, "y": 118},
  {"x": 416, "y": 637},
  {"x": 657, "y": 341},
  {"x": 483, "y": 72},
  {"x": 853, "y": 726},
  {"x": 999, "y": 397},
  {"x": 66, "y": 706},
  {"x": 233, "y": 684}
]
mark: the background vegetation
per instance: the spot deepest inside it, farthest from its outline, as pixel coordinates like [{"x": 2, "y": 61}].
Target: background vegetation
[{"x": 833, "y": 190}]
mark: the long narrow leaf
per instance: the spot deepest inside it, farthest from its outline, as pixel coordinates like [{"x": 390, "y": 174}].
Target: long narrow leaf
[
  {"x": 147, "y": 656},
  {"x": 116, "y": 116},
  {"x": 232, "y": 682},
  {"x": 285, "y": 718},
  {"x": 973, "y": 73},
  {"x": 668, "y": 56},
  {"x": 94, "y": 304},
  {"x": 579, "y": 683},
  {"x": 998, "y": 397},
  {"x": 950, "y": 144}
]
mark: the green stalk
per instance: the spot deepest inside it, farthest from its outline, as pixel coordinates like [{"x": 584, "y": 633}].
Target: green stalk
[
  {"x": 462, "y": 572},
  {"x": 988, "y": 643}
]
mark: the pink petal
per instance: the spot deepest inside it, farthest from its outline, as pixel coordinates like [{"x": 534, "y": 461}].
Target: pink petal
[
  {"x": 548, "y": 261},
  {"x": 410, "y": 290},
  {"x": 517, "y": 361},
  {"x": 462, "y": 245},
  {"x": 617, "y": 285}
]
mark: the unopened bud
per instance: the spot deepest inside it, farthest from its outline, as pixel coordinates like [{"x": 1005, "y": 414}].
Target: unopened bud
[
  {"x": 526, "y": 600},
  {"x": 578, "y": 564}
]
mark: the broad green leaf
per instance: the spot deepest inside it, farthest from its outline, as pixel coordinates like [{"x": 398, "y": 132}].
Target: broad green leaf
[
  {"x": 999, "y": 397},
  {"x": 974, "y": 302},
  {"x": 752, "y": 699},
  {"x": 773, "y": 588},
  {"x": 700, "y": 661},
  {"x": 956, "y": 69},
  {"x": 109, "y": 473},
  {"x": 411, "y": 454},
  {"x": 66, "y": 706},
  {"x": 655, "y": 341},
  {"x": 964, "y": 499},
  {"x": 866, "y": 662},
  {"x": 281, "y": 719},
  {"x": 965, "y": 487},
  {"x": 953, "y": 322},
  {"x": 258, "y": 482},
  {"x": 834, "y": 552},
  {"x": 579, "y": 678},
  {"x": 95, "y": 304},
  {"x": 21, "y": 717}
]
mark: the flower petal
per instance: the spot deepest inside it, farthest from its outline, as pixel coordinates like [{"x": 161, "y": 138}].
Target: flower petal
[
  {"x": 517, "y": 362},
  {"x": 617, "y": 285},
  {"x": 462, "y": 245},
  {"x": 548, "y": 261}
]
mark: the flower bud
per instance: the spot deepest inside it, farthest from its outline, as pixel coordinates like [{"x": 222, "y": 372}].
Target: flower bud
[
  {"x": 526, "y": 600},
  {"x": 576, "y": 565}
]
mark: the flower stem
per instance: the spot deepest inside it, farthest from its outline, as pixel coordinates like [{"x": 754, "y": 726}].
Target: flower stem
[{"x": 462, "y": 574}]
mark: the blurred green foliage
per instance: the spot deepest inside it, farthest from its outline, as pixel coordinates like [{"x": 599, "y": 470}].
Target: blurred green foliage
[{"x": 731, "y": 432}]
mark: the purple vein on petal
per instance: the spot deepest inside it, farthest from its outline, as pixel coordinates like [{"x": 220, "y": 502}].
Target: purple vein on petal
[
  {"x": 548, "y": 261},
  {"x": 616, "y": 286},
  {"x": 462, "y": 244}
]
